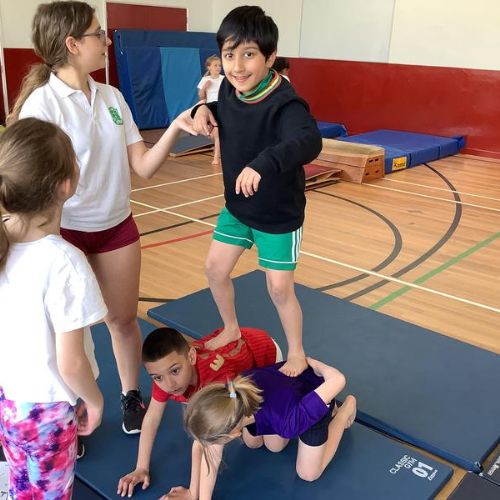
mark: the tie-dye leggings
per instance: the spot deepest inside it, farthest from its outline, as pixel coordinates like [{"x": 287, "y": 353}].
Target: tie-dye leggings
[{"x": 39, "y": 442}]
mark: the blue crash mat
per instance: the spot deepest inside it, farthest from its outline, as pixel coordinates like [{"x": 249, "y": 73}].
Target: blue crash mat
[
  {"x": 331, "y": 130},
  {"x": 473, "y": 487},
  {"x": 411, "y": 383},
  {"x": 367, "y": 464},
  {"x": 409, "y": 149}
]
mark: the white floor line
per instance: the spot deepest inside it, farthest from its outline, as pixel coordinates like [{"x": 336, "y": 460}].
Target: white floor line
[
  {"x": 401, "y": 282},
  {"x": 175, "y": 182},
  {"x": 433, "y": 197},
  {"x": 442, "y": 189},
  {"x": 348, "y": 266},
  {"x": 174, "y": 206},
  {"x": 167, "y": 211}
]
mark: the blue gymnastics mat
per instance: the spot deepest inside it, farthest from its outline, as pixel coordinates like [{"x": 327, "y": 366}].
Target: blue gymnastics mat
[
  {"x": 411, "y": 383},
  {"x": 473, "y": 487},
  {"x": 408, "y": 149},
  {"x": 331, "y": 130},
  {"x": 367, "y": 464}
]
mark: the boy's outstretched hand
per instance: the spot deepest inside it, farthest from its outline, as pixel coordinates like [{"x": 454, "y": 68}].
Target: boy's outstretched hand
[
  {"x": 204, "y": 121},
  {"x": 127, "y": 483},
  {"x": 178, "y": 492},
  {"x": 248, "y": 182}
]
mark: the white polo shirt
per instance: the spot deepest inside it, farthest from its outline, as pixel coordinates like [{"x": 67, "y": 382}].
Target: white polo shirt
[{"x": 100, "y": 133}]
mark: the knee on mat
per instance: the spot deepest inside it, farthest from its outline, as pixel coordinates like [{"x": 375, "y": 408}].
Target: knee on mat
[{"x": 308, "y": 475}]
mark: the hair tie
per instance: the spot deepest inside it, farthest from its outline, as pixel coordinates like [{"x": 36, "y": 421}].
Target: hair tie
[{"x": 230, "y": 387}]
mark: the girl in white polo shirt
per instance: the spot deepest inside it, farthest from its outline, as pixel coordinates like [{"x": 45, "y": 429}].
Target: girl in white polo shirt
[
  {"x": 49, "y": 296},
  {"x": 97, "y": 219}
]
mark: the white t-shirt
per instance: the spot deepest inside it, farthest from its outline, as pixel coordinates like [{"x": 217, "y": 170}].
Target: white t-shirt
[
  {"x": 46, "y": 287},
  {"x": 213, "y": 88},
  {"x": 100, "y": 133}
]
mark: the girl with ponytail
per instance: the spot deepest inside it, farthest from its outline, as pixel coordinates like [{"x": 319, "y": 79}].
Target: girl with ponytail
[
  {"x": 72, "y": 44},
  {"x": 267, "y": 408}
]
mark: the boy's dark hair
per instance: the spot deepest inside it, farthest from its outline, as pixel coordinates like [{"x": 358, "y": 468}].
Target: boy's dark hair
[
  {"x": 281, "y": 63},
  {"x": 162, "y": 342},
  {"x": 249, "y": 24}
]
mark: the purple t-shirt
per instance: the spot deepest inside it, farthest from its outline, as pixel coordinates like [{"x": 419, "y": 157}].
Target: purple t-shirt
[{"x": 290, "y": 405}]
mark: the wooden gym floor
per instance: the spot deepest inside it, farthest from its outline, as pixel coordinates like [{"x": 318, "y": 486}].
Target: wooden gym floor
[{"x": 422, "y": 245}]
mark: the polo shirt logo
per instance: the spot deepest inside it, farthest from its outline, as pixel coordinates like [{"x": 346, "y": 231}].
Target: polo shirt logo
[{"x": 115, "y": 115}]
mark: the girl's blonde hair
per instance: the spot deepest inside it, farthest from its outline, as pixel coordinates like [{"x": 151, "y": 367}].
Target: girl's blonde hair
[
  {"x": 35, "y": 158},
  {"x": 212, "y": 414},
  {"x": 209, "y": 61},
  {"x": 52, "y": 24}
]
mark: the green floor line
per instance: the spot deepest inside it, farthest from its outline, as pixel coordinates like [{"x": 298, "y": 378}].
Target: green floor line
[{"x": 432, "y": 273}]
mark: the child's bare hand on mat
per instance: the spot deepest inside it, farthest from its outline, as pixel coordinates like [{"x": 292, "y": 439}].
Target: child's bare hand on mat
[{"x": 127, "y": 483}]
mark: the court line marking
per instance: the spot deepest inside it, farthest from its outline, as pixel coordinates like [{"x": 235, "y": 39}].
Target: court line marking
[
  {"x": 433, "y": 197},
  {"x": 349, "y": 266},
  {"x": 175, "y": 206},
  {"x": 175, "y": 240},
  {"x": 443, "y": 189},
  {"x": 435, "y": 271},
  {"x": 175, "y": 182}
]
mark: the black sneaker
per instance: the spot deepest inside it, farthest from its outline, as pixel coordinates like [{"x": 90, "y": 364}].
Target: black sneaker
[
  {"x": 134, "y": 410},
  {"x": 80, "y": 450}
]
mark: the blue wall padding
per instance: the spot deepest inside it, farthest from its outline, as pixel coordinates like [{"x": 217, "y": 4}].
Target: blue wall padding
[
  {"x": 411, "y": 383},
  {"x": 331, "y": 130},
  {"x": 154, "y": 38},
  {"x": 180, "y": 70},
  {"x": 416, "y": 148},
  {"x": 361, "y": 468},
  {"x": 142, "y": 84},
  {"x": 145, "y": 75}
]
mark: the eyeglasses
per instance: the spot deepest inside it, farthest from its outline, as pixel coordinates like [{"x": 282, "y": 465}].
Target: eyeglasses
[{"x": 101, "y": 34}]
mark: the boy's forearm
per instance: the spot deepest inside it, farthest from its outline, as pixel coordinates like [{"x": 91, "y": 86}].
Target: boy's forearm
[{"x": 149, "y": 429}]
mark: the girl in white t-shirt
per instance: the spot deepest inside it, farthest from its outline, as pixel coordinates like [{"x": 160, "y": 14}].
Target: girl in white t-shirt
[
  {"x": 49, "y": 297},
  {"x": 69, "y": 39},
  {"x": 208, "y": 91}
]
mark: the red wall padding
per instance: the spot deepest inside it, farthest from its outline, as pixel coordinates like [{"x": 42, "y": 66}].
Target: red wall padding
[
  {"x": 129, "y": 16},
  {"x": 434, "y": 100},
  {"x": 17, "y": 64}
]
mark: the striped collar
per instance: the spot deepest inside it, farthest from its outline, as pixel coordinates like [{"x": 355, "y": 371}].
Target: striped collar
[{"x": 265, "y": 87}]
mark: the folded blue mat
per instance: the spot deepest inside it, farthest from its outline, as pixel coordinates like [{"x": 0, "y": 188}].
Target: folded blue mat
[
  {"x": 331, "y": 130},
  {"x": 408, "y": 149},
  {"x": 411, "y": 383},
  {"x": 367, "y": 464}
]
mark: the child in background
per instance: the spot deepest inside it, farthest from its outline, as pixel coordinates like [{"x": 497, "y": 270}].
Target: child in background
[
  {"x": 179, "y": 369},
  {"x": 49, "y": 297},
  {"x": 208, "y": 90},
  {"x": 267, "y": 136},
  {"x": 265, "y": 407},
  {"x": 282, "y": 66},
  {"x": 70, "y": 42}
]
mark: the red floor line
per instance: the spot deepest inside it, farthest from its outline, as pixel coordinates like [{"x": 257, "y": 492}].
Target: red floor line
[{"x": 152, "y": 245}]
